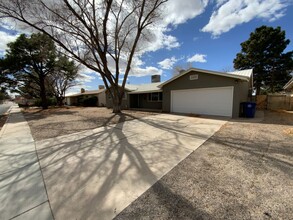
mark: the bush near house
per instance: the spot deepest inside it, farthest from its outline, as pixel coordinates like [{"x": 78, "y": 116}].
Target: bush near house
[{"x": 51, "y": 102}]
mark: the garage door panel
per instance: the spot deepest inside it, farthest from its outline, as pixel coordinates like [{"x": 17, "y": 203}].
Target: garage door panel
[{"x": 209, "y": 101}]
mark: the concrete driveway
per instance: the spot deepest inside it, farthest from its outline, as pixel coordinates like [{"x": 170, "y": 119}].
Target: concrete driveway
[{"x": 96, "y": 174}]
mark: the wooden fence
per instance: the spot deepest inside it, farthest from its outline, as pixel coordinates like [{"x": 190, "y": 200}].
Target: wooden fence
[{"x": 274, "y": 101}]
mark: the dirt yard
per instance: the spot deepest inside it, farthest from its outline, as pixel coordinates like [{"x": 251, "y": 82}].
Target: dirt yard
[
  {"x": 61, "y": 121},
  {"x": 245, "y": 171}
]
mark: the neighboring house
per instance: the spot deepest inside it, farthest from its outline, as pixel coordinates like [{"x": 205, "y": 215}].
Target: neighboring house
[
  {"x": 24, "y": 100},
  {"x": 195, "y": 91},
  {"x": 76, "y": 99}
]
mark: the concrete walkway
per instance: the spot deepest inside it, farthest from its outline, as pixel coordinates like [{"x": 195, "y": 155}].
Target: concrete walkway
[{"x": 22, "y": 190}]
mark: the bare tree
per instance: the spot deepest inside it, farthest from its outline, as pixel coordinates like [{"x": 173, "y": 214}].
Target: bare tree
[
  {"x": 96, "y": 33},
  {"x": 181, "y": 68},
  {"x": 62, "y": 78},
  {"x": 228, "y": 69}
]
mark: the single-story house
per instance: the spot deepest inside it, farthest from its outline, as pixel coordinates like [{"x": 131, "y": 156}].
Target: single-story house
[
  {"x": 145, "y": 96},
  {"x": 76, "y": 99},
  {"x": 194, "y": 91}
]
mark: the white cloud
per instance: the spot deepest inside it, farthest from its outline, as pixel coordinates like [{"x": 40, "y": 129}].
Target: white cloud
[
  {"x": 174, "y": 13},
  {"x": 199, "y": 58},
  {"x": 85, "y": 77},
  {"x": 178, "y": 12},
  {"x": 231, "y": 13},
  {"x": 5, "y": 38},
  {"x": 167, "y": 63},
  {"x": 147, "y": 71},
  {"x": 138, "y": 68},
  {"x": 170, "y": 42},
  {"x": 76, "y": 89}
]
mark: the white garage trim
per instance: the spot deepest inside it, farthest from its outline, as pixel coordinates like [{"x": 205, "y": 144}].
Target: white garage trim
[{"x": 207, "y": 101}]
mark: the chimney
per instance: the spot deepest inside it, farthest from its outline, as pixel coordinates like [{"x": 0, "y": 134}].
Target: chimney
[
  {"x": 101, "y": 87},
  {"x": 82, "y": 90},
  {"x": 156, "y": 78},
  {"x": 182, "y": 71}
]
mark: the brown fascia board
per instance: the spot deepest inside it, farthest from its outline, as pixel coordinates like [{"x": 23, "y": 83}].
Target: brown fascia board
[{"x": 205, "y": 71}]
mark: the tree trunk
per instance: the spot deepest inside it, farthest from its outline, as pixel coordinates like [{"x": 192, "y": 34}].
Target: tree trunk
[
  {"x": 117, "y": 101},
  {"x": 59, "y": 100},
  {"x": 43, "y": 93},
  {"x": 116, "y": 105}
]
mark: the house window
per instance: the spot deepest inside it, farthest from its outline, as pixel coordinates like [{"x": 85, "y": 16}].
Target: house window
[{"x": 155, "y": 97}]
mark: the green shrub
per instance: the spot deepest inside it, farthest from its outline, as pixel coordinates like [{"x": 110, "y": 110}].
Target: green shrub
[
  {"x": 38, "y": 102},
  {"x": 51, "y": 102}
]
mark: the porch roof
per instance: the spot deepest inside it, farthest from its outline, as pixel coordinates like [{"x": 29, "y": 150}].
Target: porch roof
[
  {"x": 144, "y": 88},
  {"x": 89, "y": 92}
]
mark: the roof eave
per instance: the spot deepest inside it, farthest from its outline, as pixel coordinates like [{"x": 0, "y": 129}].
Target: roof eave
[
  {"x": 288, "y": 84},
  {"x": 205, "y": 71},
  {"x": 147, "y": 91}
]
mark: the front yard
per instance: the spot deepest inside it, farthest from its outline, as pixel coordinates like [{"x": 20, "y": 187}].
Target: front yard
[{"x": 62, "y": 121}]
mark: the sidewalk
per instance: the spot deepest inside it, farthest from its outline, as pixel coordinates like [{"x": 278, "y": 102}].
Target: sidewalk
[{"x": 22, "y": 191}]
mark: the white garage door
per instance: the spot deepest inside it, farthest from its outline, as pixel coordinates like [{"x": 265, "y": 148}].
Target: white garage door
[{"x": 208, "y": 101}]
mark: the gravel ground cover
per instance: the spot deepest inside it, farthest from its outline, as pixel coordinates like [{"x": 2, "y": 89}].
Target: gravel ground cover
[
  {"x": 245, "y": 171},
  {"x": 61, "y": 121}
]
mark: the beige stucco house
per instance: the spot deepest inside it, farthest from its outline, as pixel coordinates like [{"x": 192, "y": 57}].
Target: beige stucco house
[{"x": 76, "y": 99}]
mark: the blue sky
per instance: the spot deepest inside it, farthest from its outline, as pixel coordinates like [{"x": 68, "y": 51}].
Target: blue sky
[{"x": 198, "y": 33}]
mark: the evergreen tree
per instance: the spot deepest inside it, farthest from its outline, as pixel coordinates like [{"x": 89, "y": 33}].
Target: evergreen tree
[{"x": 264, "y": 52}]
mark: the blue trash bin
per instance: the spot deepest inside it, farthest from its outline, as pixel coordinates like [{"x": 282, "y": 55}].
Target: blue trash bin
[{"x": 249, "y": 109}]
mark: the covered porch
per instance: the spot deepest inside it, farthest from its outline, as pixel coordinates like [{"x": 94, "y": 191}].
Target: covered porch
[{"x": 146, "y": 101}]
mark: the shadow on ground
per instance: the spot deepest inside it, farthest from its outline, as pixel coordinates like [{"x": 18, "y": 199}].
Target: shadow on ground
[
  {"x": 245, "y": 171},
  {"x": 94, "y": 166}
]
